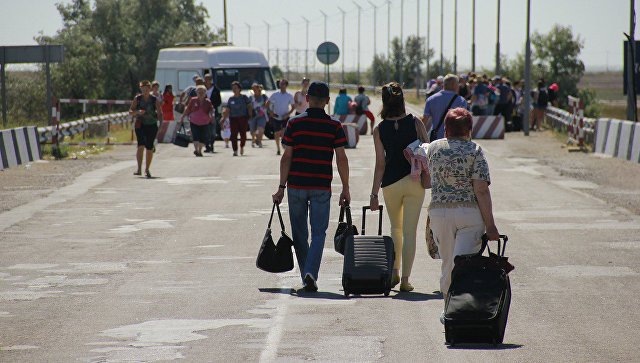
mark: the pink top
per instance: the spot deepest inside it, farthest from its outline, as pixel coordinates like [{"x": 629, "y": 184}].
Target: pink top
[
  {"x": 416, "y": 154},
  {"x": 198, "y": 111}
]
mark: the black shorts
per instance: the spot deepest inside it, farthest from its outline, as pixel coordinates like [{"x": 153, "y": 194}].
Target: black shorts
[
  {"x": 146, "y": 135},
  {"x": 200, "y": 133},
  {"x": 278, "y": 125}
]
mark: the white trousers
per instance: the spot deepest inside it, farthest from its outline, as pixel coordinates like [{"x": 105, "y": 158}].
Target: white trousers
[{"x": 456, "y": 231}]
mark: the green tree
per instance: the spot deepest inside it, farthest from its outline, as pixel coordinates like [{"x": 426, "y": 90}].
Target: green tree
[
  {"x": 381, "y": 70},
  {"x": 435, "y": 69},
  {"x": 557, "y": 57},
  {"x": 112, "y": 45}
]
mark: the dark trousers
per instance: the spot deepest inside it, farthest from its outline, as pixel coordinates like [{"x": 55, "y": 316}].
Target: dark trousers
[{"x": 238, "y": 125}]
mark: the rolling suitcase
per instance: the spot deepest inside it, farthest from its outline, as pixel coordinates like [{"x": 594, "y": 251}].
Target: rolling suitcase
[
  {"x": 479, "y": 296},
  {"x": 368, "y": 262}
]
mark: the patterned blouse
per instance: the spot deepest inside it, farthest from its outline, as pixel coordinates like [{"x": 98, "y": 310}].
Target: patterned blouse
[{"x": 453, "y": 164}]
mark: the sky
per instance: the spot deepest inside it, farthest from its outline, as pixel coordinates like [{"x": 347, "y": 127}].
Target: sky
[{"x": 599, "y": 23}]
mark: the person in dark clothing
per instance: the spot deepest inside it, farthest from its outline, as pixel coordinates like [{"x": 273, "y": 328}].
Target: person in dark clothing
[
  {"x": 213, "y": 94},
  {"x": 148, "y": 111},
  {"x": 310, "y": 140}
]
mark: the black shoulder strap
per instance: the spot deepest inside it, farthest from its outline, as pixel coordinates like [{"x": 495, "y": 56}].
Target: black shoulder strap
[{"x": 445, "y": 112}]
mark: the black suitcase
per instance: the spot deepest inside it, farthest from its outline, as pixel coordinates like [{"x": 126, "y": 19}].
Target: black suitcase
[
  {"x": 479, "y": 296},
  {"x": 368, "y": 262}
]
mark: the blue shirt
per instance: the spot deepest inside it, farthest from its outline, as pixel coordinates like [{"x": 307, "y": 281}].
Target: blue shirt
[
  {"x": 436, "y": 105},
  {"x": 341, "y": 106},
  {"x": 504, "y": 93}
]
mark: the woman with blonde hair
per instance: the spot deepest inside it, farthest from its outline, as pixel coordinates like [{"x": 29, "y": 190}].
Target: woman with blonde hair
[{"x": 402, "y": 194}]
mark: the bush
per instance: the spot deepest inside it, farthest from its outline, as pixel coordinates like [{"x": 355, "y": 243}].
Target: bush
[{"x": 591, "y": 107}]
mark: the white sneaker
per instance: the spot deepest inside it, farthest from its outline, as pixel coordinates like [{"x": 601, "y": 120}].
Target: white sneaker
[{"x": 442, "y": 317}]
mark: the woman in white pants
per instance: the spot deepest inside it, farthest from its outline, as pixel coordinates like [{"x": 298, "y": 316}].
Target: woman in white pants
[{"x": 460, "y": 210}]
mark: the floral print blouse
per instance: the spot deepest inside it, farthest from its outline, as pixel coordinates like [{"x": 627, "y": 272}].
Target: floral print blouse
[{"x": 453, "y": 164}]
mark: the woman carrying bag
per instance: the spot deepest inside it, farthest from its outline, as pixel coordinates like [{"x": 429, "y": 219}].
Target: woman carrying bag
[{"x": 403, "y": 194}]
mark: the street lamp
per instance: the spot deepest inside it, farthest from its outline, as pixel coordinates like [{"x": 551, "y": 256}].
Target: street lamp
[
  {"x": 343, "y": 49},
  {"x": 401, "y": 38},
  {"x": 306, "y": 50},
  {"x": 375, "y": 8},
  {"x": 455, "y": 37},
  {"x": 249, "y": 34},
  {"x": 268, "y": 26},
  {"x": 288, "y": 24},
  {"x": 358, "y": 64},
  {"x": 325, "y": 24},
  {"x": 441, "y": 36},
  {"x": 498, "y": 43}
]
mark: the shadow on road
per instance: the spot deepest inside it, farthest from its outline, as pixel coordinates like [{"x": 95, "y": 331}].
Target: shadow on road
[
  {"x": 417, "y": 296},
  {"x": 482, "y": 346}
]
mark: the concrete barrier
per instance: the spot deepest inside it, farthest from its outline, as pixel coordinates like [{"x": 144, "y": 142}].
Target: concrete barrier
[
  {"x": 618, "y": 138},
  {"x": 167, "y": 131},
  {"x": 19, "y": 146},
  {"x": 359, "y": 120},
  {"x": 484, "y": 127}
]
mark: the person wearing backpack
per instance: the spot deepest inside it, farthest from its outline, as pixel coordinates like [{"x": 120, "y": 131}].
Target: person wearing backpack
[
  {"x": 540, "y": 102},
  {"x": 362, "y": 107}
]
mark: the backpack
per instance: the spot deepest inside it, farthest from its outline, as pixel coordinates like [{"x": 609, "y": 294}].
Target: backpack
[{"x": 543, "y": 98}]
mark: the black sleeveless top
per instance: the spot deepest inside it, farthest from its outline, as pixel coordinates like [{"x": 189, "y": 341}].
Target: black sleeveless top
[{"x": 394, "y": 142}]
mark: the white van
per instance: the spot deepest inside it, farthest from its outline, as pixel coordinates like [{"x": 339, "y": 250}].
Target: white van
[{"x": 177, "y": 66}]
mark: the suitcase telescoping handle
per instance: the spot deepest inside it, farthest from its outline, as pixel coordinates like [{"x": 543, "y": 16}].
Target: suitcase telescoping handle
[
  {"x": 364, "y": 218},
  {"x": 485, "y": 244}
]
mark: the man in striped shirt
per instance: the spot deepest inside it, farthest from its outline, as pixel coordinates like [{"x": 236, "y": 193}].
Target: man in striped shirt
[{"x": 310, "y": 140}]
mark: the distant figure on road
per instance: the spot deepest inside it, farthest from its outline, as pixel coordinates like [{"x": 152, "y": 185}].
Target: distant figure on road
[
  {"x": 283, "y": 106},
  {"x": 306, "y": 168},
  {"x": 460, "y": 210},
  {"x": 341, "y": 106},
  {"x": 540, "y": 103},
  {"x": 362, "y": 107},
  {"x": 148, "y": 111},
  {"x": 259, "y": 119},
  {"x": 437, "y": 105},
  {"x": 301, "y": 97},
  {"x": 225, "y": 127},
  {"x": 239, "y": 113},
  {"x": 402, "y": 195},
  {"x": 167, "y": 103},
  {"x": 200, "y": 112},
  {"x": 480, "y": 97},
  {"x": 213, "y": 94}
]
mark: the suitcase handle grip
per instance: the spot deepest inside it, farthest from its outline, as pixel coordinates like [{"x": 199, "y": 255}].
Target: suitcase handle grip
[
  {"x": 485, "y": 244},
  {"x": 364, "y": 218}
]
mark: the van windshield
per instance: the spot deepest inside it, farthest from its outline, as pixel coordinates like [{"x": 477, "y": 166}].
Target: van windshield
[{"x": 246, "y": 76}]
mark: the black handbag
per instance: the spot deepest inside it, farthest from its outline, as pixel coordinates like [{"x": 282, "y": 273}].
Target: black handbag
[
  {"x": 275, "y": 257},
  {"x": 346, "y": 230},
  {"x": 182, "y": 138},
  {"x": 179, "y": 107}
]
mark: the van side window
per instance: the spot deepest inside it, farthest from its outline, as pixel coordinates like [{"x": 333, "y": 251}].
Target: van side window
[{"x": 185, "y": 79}]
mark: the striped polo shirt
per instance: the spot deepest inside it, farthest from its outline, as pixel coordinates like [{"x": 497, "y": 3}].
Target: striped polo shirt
[{"x": 313, "y": 135}]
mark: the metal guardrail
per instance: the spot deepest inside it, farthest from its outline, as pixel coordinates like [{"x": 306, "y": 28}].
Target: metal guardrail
[
  {"x": 47, "y": 134},
  {"x": 561, "y": 120}
]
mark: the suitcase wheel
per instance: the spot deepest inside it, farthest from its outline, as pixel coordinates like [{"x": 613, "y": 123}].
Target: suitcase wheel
[
  {"x": 346, "y": 293},
  {"x": 386, "y": 293}
]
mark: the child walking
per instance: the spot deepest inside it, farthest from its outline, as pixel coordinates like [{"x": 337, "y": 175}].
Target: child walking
[{"x": 225, "y": 125}]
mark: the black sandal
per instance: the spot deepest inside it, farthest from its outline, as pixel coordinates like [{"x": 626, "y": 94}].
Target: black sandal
[{"x": 148, "y": 174}]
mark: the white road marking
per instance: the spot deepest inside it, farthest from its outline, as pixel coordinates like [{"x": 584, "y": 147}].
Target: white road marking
[
  {"x": 588, "y": 271},
  {"x": 192, "y": 180},
  {"x": 19, "y": 347}
]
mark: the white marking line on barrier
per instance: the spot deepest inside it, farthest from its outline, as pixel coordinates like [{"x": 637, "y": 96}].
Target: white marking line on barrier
[
  {"x": 635, "y": 144},
  {"x": 624, "y": 139},
  {"x": 612, "y": 137}
]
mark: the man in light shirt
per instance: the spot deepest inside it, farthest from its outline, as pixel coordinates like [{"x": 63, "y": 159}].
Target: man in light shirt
[{"x": 280, "y": 105}]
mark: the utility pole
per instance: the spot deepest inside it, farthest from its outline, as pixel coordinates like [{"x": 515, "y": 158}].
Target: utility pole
[
  {"x": 325, "y": 25},
  {"x": 286, "y": 21},
  {"x": 455, "y": 37},
  {"x": 343, "y": 48},
  {"x": 375, "y": 8},
  {"x": 498, "y": 43},
  {"x": 249, "y": 34},
  {"x": 268, "y": 26},
  {"x": 428, "y": 39},
  {"x": 631, "y": 69},
  {"x": 419, "y": 57},
  {"x": 473, "y": 37},
  {"x": 401, "y": 40},
  {"x": 226, "y": 37},
  {"x": 389, "y": 30},
  {"x": 306, "y": 50},
  {"x": 358, "y": 64},
  {"x": 441, "y": 36},
  {"x": 527, "y": 74}
]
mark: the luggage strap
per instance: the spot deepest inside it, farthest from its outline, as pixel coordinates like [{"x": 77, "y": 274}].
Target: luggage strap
[
  {"x": 485, "y": 244},
  {"x": 276, "y": 206}
]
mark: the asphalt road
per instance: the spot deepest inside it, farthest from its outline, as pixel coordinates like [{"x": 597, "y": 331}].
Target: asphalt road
[{"x": 114, "y": 267}]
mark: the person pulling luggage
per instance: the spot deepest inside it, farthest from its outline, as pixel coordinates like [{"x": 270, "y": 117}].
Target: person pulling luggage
[
  {"x": 310, "y": 140},
  {"x": 460, "y": 210}
]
